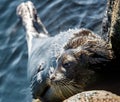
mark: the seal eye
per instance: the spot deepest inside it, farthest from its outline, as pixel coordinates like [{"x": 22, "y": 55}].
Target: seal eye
[{"x": 68, "y": 64}]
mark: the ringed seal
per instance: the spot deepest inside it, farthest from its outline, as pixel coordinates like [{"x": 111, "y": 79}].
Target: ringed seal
[{"x": 63, "y": 65}]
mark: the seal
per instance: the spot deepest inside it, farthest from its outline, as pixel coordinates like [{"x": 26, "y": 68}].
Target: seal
[{"x": 63, "y": 65}]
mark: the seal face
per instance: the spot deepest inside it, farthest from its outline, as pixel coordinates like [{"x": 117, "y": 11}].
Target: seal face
[{"x": 63, "y": 65}]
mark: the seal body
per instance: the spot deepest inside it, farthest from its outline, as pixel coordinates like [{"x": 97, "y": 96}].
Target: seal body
[{"x": 63, "y": 65}]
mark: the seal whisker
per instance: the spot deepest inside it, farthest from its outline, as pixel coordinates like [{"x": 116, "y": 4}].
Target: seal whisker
[
  {"x": 59, "y": 91},
  {"x": 54, "y": 87},
  {"x": 69, "y": 90},
  {"x": 62, "y": 88},
  {"x": 74, "y": 87},
  {"x": 66, "y": 90}
]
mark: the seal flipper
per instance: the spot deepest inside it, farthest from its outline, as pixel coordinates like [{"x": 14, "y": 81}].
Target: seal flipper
[{"x": 32, "y": 23}]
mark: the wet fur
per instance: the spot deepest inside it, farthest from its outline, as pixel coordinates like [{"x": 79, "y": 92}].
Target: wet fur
[{"x": 85, "y": 50}]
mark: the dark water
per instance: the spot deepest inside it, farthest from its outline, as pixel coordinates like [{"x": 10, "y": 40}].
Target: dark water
[{"x": 57, "y": 15}]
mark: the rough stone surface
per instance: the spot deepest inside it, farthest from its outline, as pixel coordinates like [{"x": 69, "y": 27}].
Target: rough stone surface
[
  {"x": 94, "y": 96},
  {"x": 115, "y": 27}
]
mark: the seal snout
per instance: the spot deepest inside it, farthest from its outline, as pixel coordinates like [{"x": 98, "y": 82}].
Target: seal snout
[
  {"x": 52, "y": 77},
  {"x": 57, "y": 76}
]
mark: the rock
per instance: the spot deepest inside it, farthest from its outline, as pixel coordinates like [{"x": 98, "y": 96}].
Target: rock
[
  {"x": 115, "y": 27},
  {"x": 94, "y": 96}
]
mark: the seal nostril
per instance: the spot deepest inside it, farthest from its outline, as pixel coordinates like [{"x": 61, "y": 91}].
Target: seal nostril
[{"x": 52, "y": 77}]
